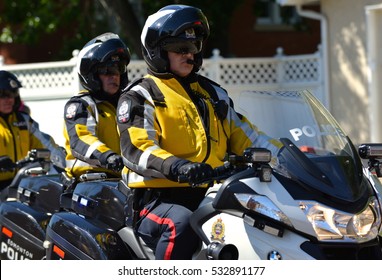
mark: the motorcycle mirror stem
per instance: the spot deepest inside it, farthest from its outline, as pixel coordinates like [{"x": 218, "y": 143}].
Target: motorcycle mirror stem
[{"x": 372, "y": 152}]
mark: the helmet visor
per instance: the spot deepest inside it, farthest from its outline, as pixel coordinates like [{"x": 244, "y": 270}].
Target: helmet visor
[
  {"x": 183, "y": 47},
  {"x": 8, "y": 93},
  {"x": 112, "y": 68}
]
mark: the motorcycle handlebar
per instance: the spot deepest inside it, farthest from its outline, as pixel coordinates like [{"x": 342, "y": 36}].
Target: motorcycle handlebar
[
  {"x": 35, "y": 155},
  {"x": 252, "y": 156},
  {"x": 219, "y": 173}
]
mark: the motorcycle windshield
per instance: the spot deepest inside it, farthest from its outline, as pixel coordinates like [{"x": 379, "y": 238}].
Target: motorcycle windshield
[{"x": 317, "y": 154}]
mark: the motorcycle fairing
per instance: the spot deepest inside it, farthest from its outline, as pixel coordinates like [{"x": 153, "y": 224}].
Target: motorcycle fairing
[
  {"x": 333, "y": 180},
  {"x": 318, "y": 157}
]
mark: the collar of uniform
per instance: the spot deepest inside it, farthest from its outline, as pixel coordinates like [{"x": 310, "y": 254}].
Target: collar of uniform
[{"x": 166, "y": 76}]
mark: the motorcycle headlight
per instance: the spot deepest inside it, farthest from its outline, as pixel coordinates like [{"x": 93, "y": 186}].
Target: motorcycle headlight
[
  {"x": 263, "y": 205},
  {"x": 331, "y": 224}
]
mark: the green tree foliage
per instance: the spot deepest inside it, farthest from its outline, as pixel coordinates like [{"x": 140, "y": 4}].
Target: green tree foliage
[
  {"x": 77, "y": 21},
  {"x": 24, "y": 21},
  {"x": 30, "y": 22}
]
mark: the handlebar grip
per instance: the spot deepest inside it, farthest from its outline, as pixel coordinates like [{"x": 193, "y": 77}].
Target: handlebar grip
[
  {"x": 221, "y": 170},
  {"x": 217, "y": 172}
]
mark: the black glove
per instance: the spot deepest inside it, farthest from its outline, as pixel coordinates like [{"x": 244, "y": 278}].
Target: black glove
[
  {"x": 6, "y": 164},
  {"x": 114, "y": 162},
  {"x": 196, "y": 172}
]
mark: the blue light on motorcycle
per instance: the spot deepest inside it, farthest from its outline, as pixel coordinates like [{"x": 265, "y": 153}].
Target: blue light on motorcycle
[
  {"x": 84, "y": 201},
  {"x": 331, "y": 224},
  {"x": 262, "y": 205}
]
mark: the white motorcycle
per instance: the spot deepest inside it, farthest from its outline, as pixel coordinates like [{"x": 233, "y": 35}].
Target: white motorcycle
[{"x": 317, "y": 201}]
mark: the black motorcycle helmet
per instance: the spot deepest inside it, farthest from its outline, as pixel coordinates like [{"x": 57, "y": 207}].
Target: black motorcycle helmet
[
  {"x": 9, "y": 86},
  {"x": 102, "y": 50},
  {"x": 171, "y": 23}
]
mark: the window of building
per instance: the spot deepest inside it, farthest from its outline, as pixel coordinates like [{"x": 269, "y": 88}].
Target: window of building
[{"x": 270, "y": 15}]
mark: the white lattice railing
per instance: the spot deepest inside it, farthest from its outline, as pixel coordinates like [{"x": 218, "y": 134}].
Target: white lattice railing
[
  {"x": 47, "y": 86},
  {"x": 57, "y": 80}
]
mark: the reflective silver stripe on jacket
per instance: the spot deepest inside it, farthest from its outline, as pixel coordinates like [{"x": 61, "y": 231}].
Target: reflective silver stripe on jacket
[{"x": 57, "y": 154}]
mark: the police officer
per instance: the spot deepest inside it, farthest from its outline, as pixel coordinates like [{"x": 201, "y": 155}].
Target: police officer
[
  {"x": 19, "y": 133},
  {"x": 92, "y": 140},
  {"x": 176, "y": 122}
]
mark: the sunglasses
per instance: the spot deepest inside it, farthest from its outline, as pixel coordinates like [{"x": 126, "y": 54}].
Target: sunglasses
[
  {"x": 7, "y": 93},
  {"x": 112, "y": 69},
  {"x": 183, "y": 47}
]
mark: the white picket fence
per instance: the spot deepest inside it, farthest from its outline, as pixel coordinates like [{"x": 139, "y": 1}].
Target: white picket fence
[{"x": 48, "y": 85}]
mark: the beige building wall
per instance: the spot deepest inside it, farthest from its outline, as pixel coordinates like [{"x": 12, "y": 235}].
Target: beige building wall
[{"x": 348, "y": 65}]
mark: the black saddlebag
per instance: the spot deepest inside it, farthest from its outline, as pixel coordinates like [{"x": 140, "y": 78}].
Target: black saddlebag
[
  {"x": 41, "y": 192},
  {"x": 22, "y": 231},
  {"x": 102, "y": 200},
  {"x": 72, "y": 237}
]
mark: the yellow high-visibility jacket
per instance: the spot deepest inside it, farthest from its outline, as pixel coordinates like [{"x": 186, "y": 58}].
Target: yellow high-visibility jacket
[
  {"x": 159, "y": 125},
  {"x": 91, "y": 135},
  {"x": 19, "y": 133}
]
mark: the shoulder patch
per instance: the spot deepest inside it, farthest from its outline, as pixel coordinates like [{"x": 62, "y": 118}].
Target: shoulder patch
[
  {"x": 123, "y": 114},
  {"x": 71, "y": 111}
]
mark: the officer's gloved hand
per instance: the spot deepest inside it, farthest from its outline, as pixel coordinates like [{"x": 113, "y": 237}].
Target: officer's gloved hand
[
  {"x": 196, "y": 172},
  {"x": 6, "y": 163},
  {"x": 114, "y": 162}
]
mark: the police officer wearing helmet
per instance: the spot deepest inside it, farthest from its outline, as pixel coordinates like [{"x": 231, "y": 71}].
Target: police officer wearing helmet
[
  {"x": 176, "y": 122},
  {"x": 19, "y": 133},
  {"x": 92, "y": 140}
]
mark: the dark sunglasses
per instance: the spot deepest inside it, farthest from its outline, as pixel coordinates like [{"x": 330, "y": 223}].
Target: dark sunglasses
[
  {"x": 8, "y": 93},
  {"x": 183, "y": 47},
  {"x": 112, "y": 69}
]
